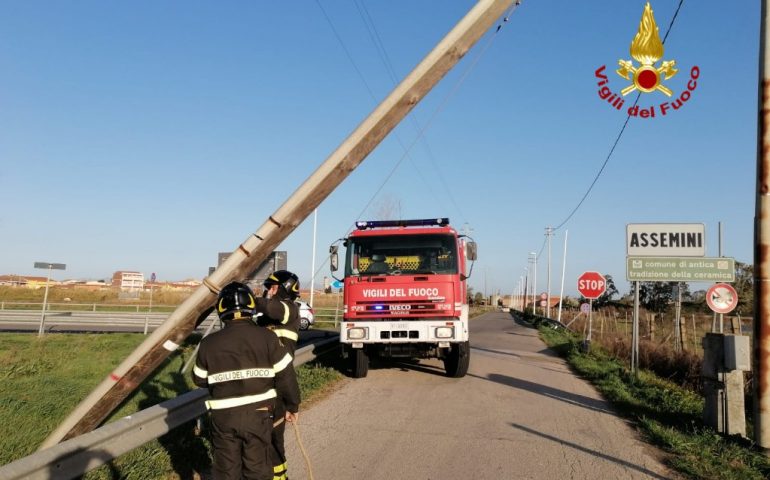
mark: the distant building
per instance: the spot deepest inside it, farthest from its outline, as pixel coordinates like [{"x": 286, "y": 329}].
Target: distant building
[
  {"x": 130, "y": 281},
  {"x": 85, "y": 284},
  {"x": 25, "y": 281},
  {"x": 275, "y": 261}
]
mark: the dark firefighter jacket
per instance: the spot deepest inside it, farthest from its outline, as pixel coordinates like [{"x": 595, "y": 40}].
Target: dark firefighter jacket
[
  {"x": 281, "y": 316},
  {"x": 244, "y": 364}
]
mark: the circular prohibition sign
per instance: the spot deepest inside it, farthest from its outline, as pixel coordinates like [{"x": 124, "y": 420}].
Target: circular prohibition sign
[{"x": 722, "y": 298}]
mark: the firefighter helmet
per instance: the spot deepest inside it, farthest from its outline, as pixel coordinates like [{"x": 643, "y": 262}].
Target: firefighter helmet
[
  {"x": 288, "y": 283},
  {"x": 236, "y": 301}
]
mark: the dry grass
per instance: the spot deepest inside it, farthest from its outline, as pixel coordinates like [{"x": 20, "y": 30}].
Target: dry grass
[{"x": 656, "y": 329}]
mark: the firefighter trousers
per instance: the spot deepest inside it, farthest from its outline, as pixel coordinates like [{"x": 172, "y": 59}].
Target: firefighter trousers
[
  {"x": 241, "y": 443},
  {"x": 277, "y": 450}
]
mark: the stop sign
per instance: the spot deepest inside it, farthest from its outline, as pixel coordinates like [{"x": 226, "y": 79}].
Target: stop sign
[{"x": 591, "y": 284}]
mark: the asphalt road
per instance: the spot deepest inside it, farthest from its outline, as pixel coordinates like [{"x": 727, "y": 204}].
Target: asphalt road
[{"x": 518, "y": 414}]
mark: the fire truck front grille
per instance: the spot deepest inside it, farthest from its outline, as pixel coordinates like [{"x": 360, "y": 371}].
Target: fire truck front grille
[
  {"x": 385, "y": 335},
  {"x": 369, "y": 309}
]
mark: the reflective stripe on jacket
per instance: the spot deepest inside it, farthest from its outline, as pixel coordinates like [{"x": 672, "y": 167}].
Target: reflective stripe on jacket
[{"x": 244, "y": 364}]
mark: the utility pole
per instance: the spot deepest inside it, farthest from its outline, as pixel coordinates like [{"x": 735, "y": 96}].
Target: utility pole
[
  {"x": 526, "y": 288},
  {"x": 249, "y": 254},
  {"x": 548, "y": 234},
  {"x": 761, "y": 347},
  {"x": 533, "y": 259}
]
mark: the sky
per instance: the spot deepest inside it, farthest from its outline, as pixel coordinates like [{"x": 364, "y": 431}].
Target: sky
[{"x": 149, "y": 136}]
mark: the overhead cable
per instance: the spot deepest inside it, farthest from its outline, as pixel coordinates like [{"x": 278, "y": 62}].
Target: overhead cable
[{"x": 620, "y": 134}]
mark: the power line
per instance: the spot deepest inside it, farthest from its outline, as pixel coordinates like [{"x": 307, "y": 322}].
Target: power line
[
  {"x": 423, "y": 129},
  {"x": 382, "y": 51},
  {"x": 620, "y": 134},
  {"x": 449, "y": 95},
  {"x": 371, "y": 94}
]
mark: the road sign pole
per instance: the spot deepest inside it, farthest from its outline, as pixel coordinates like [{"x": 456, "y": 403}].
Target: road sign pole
[
  {"x": 49, "y": 266},
  {"x": 590, "y": 317},
  {"x": 41, "y": 330},
  {"x": 635, "y": 332}
]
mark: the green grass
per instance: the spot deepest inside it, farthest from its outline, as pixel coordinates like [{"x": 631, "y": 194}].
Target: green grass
[
  {"x": 668, "y": 415},
  {"x": 44, "y": 379}
]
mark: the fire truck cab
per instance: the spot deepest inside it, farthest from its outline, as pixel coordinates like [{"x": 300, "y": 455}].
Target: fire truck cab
[{"x": 405, "y": 293}]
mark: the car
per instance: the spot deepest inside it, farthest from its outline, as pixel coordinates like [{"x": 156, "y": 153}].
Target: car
[{"x": 306, "y": 315}]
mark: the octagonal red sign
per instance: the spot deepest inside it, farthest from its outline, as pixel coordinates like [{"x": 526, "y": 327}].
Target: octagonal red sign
[{"x": 591, "y": 284}]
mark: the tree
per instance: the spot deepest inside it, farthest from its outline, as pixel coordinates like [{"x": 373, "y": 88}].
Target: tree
[
  {"x": 478, "y": 299},
  {"x": 656, "y": 296},
  {"x": 387, "y": 208},
  {"x": 609, "y": 292},
  {"x": 744, "y": 286},
  {"x": 570, "y": 302},
  {"x": 698, "y": 296}
]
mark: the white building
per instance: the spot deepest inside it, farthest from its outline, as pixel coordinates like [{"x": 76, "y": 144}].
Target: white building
[{"x": 131, "y": 281}]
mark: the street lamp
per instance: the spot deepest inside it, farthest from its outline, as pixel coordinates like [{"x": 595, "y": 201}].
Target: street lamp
[
  {"x": 49, "y": 266},
  {"x": 312, "y": 262}
]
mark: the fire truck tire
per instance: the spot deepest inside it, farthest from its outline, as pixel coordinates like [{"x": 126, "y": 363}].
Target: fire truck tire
[
  {"x": 457, "y": 362},
  {"x": 359, "y": 363}
]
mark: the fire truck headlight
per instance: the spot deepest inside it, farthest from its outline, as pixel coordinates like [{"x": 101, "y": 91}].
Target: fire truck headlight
[
  {"x": 445, "y": 332},
  {"x": 357, "y": 333}
]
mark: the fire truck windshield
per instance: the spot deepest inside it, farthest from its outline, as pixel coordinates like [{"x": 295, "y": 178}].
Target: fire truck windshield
[{"x": 401, "y": 255}]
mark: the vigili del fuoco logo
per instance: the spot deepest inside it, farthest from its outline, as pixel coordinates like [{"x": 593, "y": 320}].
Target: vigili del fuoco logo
[{"x": 647, "y": 76}]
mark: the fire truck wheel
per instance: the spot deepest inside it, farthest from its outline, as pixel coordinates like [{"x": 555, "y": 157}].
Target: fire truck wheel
[
  {"x": 359, "y": 363},
  {"x": 457, "y": 362}
]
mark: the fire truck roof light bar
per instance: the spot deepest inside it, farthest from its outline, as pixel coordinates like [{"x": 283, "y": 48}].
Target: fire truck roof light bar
[{"x": 428, "y": 222}]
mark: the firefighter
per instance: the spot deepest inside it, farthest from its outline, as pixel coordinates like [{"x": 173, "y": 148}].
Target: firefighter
[
  {"x": 280, "y": 314},
  {"x": 246, "y": 370}
]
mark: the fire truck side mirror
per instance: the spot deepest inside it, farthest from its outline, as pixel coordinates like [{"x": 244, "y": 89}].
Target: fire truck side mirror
[
  {"x": 470, "y": 251},
  {"x": 333, "y": 258}
]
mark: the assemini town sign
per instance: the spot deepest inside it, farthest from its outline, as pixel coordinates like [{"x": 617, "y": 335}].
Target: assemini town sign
[{"x": 666, "y": 239}]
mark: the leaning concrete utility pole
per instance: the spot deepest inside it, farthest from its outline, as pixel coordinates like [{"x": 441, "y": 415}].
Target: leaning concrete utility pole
[
  {"x": 167, "y": 338},
  {"x": 762, "y": 248}
]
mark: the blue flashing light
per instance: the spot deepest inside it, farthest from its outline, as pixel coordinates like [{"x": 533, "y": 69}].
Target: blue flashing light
[
  {"x": 428, "y": 222},
  {"x": 379, "y": 307}
]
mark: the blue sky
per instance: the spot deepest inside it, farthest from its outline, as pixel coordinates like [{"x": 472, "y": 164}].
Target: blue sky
[{"x": 149, "y": 136}]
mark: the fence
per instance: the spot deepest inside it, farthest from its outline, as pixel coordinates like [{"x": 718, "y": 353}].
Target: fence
[{"x": 657, "y": 328}]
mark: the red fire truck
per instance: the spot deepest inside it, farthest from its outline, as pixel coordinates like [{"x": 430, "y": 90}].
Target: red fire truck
[{"x": 405, "y": 293}]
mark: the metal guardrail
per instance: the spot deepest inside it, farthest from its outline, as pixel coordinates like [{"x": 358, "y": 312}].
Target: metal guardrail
[
  {"x": 74, "y": 457},
  {"x": 87, "y": 307}
]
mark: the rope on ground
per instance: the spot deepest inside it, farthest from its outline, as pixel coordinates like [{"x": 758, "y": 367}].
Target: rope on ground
[
  {"x": 304, "y": 453},
  {"x": 301, "y": 446}
]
